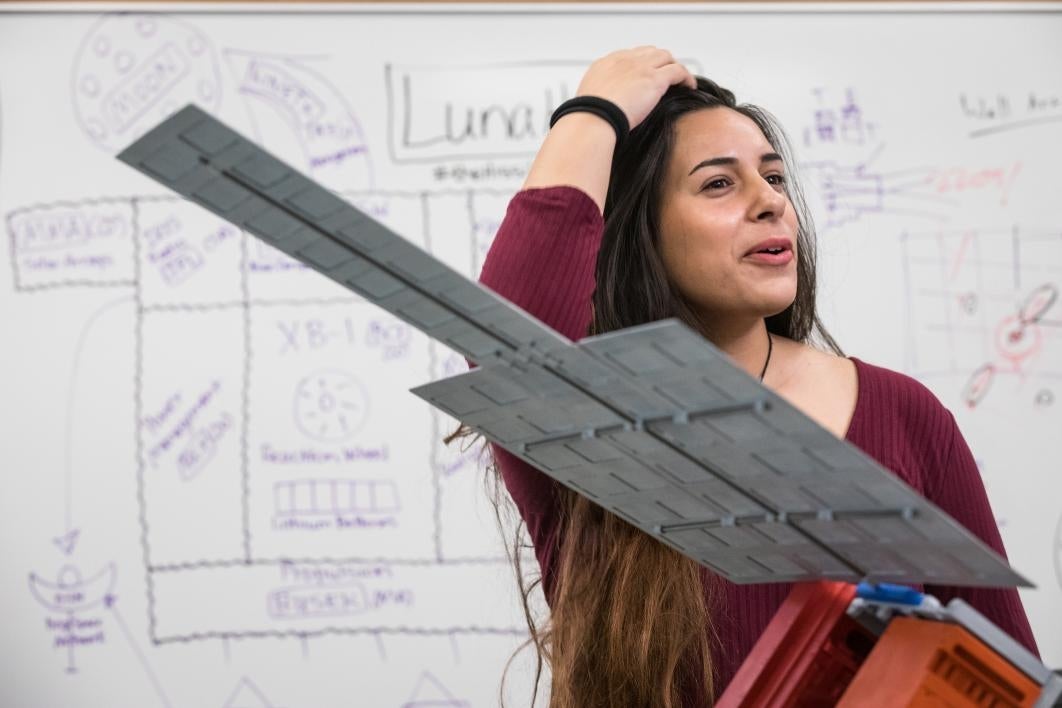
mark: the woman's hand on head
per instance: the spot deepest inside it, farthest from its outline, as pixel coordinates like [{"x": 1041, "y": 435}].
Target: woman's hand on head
[
  {"x": 634, "y": 79},
  {"x": 578, "y": 150}
]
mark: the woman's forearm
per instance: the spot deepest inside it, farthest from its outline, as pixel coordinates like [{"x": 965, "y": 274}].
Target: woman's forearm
[{"x": 577, "y": 152}]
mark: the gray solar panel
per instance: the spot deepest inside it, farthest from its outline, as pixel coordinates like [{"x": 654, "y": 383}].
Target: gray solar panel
[{"x": 653, "y": 423}]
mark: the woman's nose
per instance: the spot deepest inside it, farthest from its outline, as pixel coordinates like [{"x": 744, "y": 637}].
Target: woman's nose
[{"x": 769, "y": 203}]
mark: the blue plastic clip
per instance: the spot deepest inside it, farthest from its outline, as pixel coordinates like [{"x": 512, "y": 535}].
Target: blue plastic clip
[{"x": 888, "y": 592}]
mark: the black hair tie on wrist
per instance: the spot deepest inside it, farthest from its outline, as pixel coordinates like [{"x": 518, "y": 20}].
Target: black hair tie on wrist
[{"x": 598, "y": 106}]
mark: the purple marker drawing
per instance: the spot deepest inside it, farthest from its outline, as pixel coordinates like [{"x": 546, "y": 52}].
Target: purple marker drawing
[
  {"x": 338, "y": 504},
  {"x": 184, "y": 428},
  {"x": 66, "y": 228},
  {"x": 67, "y": 541},
  {"x": 334, "y": 601},
  {"x": 167, "y": 250},
  {"x": 219, "y": 236},
  {"x": 151, "y": 422},
  {"x": 246, "y": 694},
  {"x": 330, "y": 405},
  {"x": 849, "y": 192},
  {"x": 847, "y": 188},
  {"x": 838, "y": 122},
  {"x": 391, "y": 337},
  {"x": 70, "y": 592},
  {"x": 176, "y": 262},
  {"x": 311, "y": 334},
  {"x": 323, "y": 456},
  {"x": 133, "y": 70},
  {"x": 486, "y": 172},
  {"x": 89, "y": 243},
  {"x": 302, "y": 602},
  {"x": 466, "y": 460},
  {"x": 266, "y": 259},
  {"x": 329, "y": 573},
  {"x": 430, "y": 691},
  {"x": 320, "y": 121},
  {"x": 203, "y": 445},
  {"x": 185, "y": 257},
  {"x": 187, "y": 428},
  {"x": 330, "y": 497},
  {"x": 72, "y": 596}
]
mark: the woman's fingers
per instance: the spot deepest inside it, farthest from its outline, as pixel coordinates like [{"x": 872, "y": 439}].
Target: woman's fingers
[
  {"x": 634, "y": 79},
  {"x": 676, "y": 73},
  {"x": 579, "y": 150},
  {"x": 662, "y": 57}
]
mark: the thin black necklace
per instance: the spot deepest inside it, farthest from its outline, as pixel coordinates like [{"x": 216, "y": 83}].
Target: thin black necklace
[{"x": 770, "y": 346}]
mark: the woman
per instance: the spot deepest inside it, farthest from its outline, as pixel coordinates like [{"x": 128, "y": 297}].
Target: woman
[{"x": 691, "y": 217}]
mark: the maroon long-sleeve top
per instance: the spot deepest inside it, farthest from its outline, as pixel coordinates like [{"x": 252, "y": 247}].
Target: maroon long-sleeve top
[{"x": 543, "y": 260}]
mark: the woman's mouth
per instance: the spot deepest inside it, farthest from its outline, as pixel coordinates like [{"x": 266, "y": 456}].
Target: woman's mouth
[
  {"x": 775, "y": 252},
  {"x": 778, "y": 257}
]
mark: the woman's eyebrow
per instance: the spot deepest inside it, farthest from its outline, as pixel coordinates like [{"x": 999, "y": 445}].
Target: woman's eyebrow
[{"x": 765, "y": 157}]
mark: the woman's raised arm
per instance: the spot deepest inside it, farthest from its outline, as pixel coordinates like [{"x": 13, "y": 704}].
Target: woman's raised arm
[
  {"x": 544, "y": 253},
  {"x": 578, "y": 150}
]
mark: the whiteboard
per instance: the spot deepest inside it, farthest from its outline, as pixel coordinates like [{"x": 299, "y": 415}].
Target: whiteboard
[{"x": 188, "y": 519}]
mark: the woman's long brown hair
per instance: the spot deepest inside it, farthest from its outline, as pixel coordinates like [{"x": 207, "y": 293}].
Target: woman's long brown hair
[{"x": 630, "y": 619}]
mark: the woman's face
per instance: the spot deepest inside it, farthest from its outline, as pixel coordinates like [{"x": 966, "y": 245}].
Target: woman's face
[{"x": 728, "y": 231}]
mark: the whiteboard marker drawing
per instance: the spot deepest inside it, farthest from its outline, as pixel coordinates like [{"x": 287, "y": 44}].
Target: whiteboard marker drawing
[
  {"x": 627, "y": 419},
  {"x": 973, "y": 315},
  {"x": 74, "y": 596},
  {"x": 430, "y": 691},
  {"x": 131, "y": 70},
  {"x": 330, "y": 405}
]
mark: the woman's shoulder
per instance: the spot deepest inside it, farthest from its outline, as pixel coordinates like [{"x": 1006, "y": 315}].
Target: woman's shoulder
[
  {"x": 888, "y": 392},
  {"x": 883, "y": 406},
  {"x": 899, "y": 421},
  {"x": 562, "y": 197}
]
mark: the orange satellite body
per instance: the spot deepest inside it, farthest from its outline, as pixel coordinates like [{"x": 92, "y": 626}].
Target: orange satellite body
[{"x": 831, "y": 644}]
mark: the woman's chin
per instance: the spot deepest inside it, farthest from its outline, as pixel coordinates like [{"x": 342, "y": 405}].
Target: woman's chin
[{"x": 773, "y": 303}]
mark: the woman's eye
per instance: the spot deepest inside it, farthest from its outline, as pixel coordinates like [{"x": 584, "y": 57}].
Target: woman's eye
[
  {"x": 777, "y": 180},
  {"x": 717, "y": 183}
]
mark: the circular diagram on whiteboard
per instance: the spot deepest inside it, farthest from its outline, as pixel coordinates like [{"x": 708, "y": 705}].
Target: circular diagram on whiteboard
[
  {"x": 330, "y": 405},
  {"x": 132, "y": 71}
]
